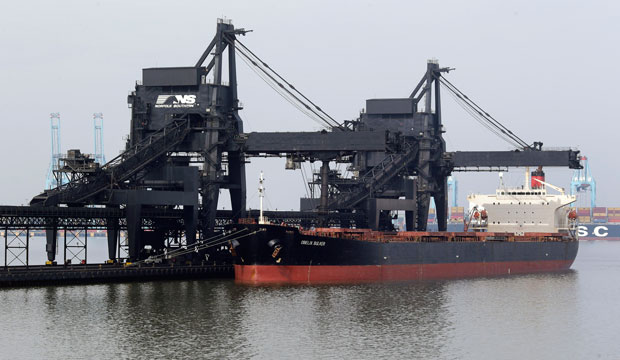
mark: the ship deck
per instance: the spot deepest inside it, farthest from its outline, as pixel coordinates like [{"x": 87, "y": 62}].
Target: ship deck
[{"x": 427, "y": 236}]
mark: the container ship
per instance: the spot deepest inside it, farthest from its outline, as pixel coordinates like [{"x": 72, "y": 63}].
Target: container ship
[{"x": 514, "y": 231}]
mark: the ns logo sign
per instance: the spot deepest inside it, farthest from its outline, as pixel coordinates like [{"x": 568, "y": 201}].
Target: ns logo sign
[{"x": 175, "y": 101}]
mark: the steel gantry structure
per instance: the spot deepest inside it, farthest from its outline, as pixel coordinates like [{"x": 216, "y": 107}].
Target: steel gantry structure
[{"x": 187, "y": 142}]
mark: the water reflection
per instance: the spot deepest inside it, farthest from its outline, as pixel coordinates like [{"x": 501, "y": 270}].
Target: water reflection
[
  {"x": 315, "y": 322},
  {"x": 562, "y": 315},
  {"x": 529, "y": 316}
]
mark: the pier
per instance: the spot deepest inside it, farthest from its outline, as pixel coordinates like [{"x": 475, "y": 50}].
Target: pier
[{"x": 38, "y": 275}]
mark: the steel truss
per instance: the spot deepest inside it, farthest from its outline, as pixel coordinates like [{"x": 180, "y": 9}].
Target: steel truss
[{"x": 16, "y": 247}]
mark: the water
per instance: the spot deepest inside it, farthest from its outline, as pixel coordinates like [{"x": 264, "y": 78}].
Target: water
[{"x": 570, "y": 315}]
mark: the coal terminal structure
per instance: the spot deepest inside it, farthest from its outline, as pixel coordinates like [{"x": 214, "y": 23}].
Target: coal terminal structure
[{"x": 187, "y": 142}]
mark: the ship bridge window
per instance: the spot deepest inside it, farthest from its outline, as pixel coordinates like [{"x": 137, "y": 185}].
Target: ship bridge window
[{"x": 528, "y": 193}]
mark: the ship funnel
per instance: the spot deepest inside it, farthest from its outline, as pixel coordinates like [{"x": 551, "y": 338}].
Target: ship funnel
[{"x": 537, "y": 174}]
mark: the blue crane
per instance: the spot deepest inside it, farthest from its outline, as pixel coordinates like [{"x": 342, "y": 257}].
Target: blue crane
[
  {"x": 582, "y": 182},
  {"x": 51, "y": 181},
  {"x": 452, "y": 188},
  {"x": 98, "y": 128}
]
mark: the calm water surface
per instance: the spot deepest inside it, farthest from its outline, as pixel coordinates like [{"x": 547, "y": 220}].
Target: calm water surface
[{"x": 571, "y": 315}]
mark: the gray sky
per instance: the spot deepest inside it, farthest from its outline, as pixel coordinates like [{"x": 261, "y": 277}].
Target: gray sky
[{"x": 546, "y": 69}]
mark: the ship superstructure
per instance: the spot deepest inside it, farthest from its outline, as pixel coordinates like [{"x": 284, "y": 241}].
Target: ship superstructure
[{"x": 526, "y": 209}]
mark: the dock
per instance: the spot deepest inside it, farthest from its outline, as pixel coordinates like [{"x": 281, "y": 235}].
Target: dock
[{"x": 42, "y": 275}]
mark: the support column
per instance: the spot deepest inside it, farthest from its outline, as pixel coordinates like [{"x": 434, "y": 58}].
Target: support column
[
  {"x": 410, "y": 194},
  {"x": 236, "y": 175},
  {"x": 210, "y": 197},
  {"x": 373, "y": 213},
  {"x": 210, "y": 187},
  {"x": 190, "y": 218},
  {"x": 324, "y": 200},
  {"x": 134, "y": 230},
  {"x": 210, "y": 181},
  {"x": 113, "y": 233},
  {"x": 51, "y": 238},
  {"x": 441, "y": 203},
  {"x": 324, "y": 204},
  {"x": 424, "y": 187}
]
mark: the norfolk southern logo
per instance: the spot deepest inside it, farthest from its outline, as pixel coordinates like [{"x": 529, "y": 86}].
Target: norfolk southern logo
[{"x": 175, "y": 101}]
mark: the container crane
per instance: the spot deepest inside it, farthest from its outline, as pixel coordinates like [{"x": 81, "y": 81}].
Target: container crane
[
  {"x": 583, "y": 182},
  {"x": 98, "y": 129},
  {"x": 51, "y": 181}
]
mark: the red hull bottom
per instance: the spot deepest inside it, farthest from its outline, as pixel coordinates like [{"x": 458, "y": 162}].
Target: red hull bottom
[{"x": 303, "y": 274}]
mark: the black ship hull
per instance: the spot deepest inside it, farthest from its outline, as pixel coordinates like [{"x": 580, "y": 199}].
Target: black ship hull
[{"x": 279, "y": 254}]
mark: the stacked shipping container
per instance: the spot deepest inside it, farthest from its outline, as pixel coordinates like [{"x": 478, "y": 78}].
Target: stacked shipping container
[
  {"x": 583, "y": 215},
  {"x": 431, "y": 216},
  {"x": 457, "y": 214},
  {"x": 599, "y": 215},
  {"x": 613, "y": 215}
]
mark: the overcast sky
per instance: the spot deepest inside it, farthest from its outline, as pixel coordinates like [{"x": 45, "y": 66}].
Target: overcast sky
[{"x": 546, "y": 69}]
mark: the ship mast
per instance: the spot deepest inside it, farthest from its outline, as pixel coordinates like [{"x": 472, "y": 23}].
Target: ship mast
[
  {"x": 261, "y": 195},
  {"x": 526, "y": 186}
]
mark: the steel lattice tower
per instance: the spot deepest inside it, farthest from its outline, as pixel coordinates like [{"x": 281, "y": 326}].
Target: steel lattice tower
[
  {"x": 98, "y": 129},
  {"x": 51, "y": 181}
]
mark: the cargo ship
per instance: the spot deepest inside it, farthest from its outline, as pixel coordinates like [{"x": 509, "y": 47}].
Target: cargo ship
[{"x": 515, "y": 231}]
